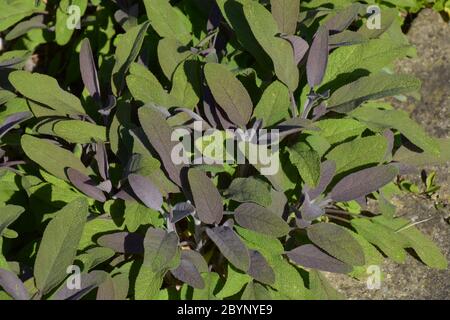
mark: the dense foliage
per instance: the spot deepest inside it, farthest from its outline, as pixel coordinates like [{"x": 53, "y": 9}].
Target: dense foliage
[{"x": 87, "y": 176}]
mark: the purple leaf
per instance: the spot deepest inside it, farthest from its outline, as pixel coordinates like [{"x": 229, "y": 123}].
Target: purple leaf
[
  {"x": 319, "y": 111},
  {"x": 111, "y": 103},
  {"x": 346, "y": 38},
  {"x": 231, "y": 246},
  {"x": 196, "y": 259},
  {"x": 213, "y": 114},
  {"x": 317, "y": 58},
  {"x": 146, "y": 191},
  {"x": 101, "y": 156},
  {"x": 260, "y": 219},
  {"x": 159, "y": 134},
  {"x": 206, "y": 197},
  {"x": 214, "y": 17},
  {"x": 123, "y": 242},
  {"x": 309, "y": 210},
  {"x": 9, "y": 214},
  {"x": 13, "y": 285},
  {"x": 364, "y": 182},
  {"x": 327, "y": 171},
  {"x": 299, "y": 45},
  {"x": 310, "y": 256},
  {"x": 11, "y": 62},
  {"x": 291, "y": 126},
  {"x": 105, "y": 186},
  {"x": 259, "y": 268},
  {"x": 389, "y": 135},
  {"x": 85, "y": 184},
  {"x": 161, "y": 246},
  {"x": 338, "y": 242},
  {"x": 121, "y": 17},
  {"x": 14, "y": 120},
  {"x": 125, "y": 194},
  {"x": 36, "y": 22},
  {"x": 302, "y": 223},
  {"x": 89, "y": 71},
  {"x": 181, "y": 210},
  {"x": 209, "y": 107},
  {"x": 343, "y": 19},
  {"x": 189, "y": 274},
  {"x": 88, "y": 281}
]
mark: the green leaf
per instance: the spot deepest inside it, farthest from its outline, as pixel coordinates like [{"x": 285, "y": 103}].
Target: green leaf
[
  {"x": 249, "y": 190},
  {"x": 385, "y": 239},
  {"x": 390, "y": 20},
  {"x": 9, "y": 214},
  {"x": 59, "y": 245},
  {"x": 94, "y": 228},
  {"x": 236, "y": 280},
  {"x": 168, "y": 21},
  {"x": 25, "y": 26},
  {"x": 372, "y": 256},
  {"x": 232, "y": 10},
  {"x": 145, "y": 87},
  {"x": 288, "y": 280},
  {"x": 387, "y": 209},
  {"x": 427, "y": 251},
  {"x": 265, "y": 30},
  {"x": 66, "y": 18},
  {"x": 127, "y": 50},
  {"x": 52, "y": 158},
  {"x": 160, "y": 253},
  {"x": 265, "y": 244},
  {"x": 260, "y": 219},
  {"x": 321, "y": 288},
  {"x": 404, "y": 155},
  {"x": 255, "y": 291},
  {"x": 371, "y": 56},
  {"x": 137, "y": 215},
  {"x": 77, "y": 131},
  {"x": 3, "y": 263},
  {"x": 171, "y": 53},
  {"x": 186, "y": 84},
  {"x": 95, "y": 256},
  {"x": 373, "y": 87},
  {"x": 211, "y": 280},
  {"x": 338, "y": 130},
  {"x": 148, "y": 284},
  {"x": 159, "y": 134},
  {"x": 398, "y": 120},
  {"x": 114, "y": 288},
  {"x": 160, "y": 249},
  {"x": 229, "y": 93},
  {"x": 337, "y": 241},
  {"x": 274, "y": 104},
  {"x": 285, "y": 13},
  {"x": 5, "y": 96},
  {"x": 12, "y": 12},
  {"x": 46, "y": 90},
  {"x": 358, "y": 153},
  {"x": 307, "y": 163}
]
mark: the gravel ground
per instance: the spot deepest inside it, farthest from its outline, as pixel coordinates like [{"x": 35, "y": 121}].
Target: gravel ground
[{"x": 413, "y": 280}]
